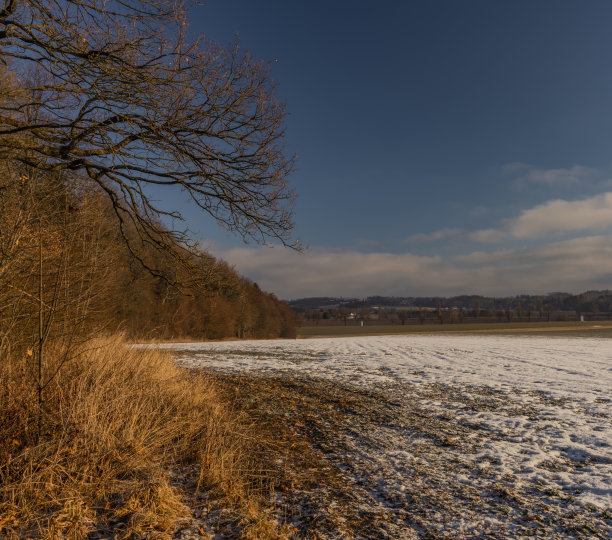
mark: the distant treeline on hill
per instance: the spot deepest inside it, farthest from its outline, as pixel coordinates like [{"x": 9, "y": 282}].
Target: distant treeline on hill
[{"x": 587, "y": 302}]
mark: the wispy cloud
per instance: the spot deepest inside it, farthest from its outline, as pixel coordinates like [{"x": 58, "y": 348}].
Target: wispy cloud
[
  {"x": 571, "y": 265},
  {"x": 556, "y": 216},
  {"x": 516, "y": 167},
  {"x": 550, "y": 177},
  {"x": 436, "y": 236}
]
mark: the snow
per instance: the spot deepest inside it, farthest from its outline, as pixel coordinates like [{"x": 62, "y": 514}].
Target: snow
[{"x": 554, "y": 428}]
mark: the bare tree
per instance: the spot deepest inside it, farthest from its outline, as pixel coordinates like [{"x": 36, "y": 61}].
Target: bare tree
[{"x": 113, "y": 88}]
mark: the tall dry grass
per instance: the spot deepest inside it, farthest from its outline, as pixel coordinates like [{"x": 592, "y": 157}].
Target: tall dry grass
[{"x": 117, "y": 422}]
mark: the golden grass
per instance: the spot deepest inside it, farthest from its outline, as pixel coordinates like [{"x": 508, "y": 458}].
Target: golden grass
[{"x": 117, "y": 422}]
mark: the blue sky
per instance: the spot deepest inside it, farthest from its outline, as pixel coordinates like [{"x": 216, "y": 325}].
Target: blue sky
[{"x": 444, "y": 147}]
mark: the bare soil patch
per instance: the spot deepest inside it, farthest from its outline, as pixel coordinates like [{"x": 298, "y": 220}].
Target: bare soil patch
[{"x": 383, "y": 464}]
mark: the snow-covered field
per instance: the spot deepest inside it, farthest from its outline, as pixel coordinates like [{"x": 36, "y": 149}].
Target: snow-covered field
[{"x": 538, "y": 409}]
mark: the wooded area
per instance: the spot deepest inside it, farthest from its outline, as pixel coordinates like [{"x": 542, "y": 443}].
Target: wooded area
[{"x": 63, "y": 259}]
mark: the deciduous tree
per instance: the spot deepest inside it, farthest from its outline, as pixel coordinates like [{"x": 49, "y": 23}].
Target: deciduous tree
[{"x": 115, "y": 90}]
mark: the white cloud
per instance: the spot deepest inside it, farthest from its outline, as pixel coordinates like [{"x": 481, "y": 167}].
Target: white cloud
[
  {"x": 572, "y": 265},
  {"x": 551, "y": 217},
  {"x": 573, "y": 175},
  {"x": 560, "y": 215},
  {"x": 323, "y": 272},
  {"x": 488, "y": 235}
]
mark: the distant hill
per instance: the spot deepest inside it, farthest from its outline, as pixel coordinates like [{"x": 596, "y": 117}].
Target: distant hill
[{"x": 590, "y": 301}]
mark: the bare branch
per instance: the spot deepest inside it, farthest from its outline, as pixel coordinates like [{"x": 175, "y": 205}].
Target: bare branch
[{"x": 115, "y": 90}]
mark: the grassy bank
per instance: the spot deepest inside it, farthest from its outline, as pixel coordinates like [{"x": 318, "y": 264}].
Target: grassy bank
[
  {"x": 128, "y": 442},
  {"x": 595, "y": 329}
]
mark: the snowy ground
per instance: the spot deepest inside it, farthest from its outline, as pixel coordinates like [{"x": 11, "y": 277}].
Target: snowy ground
[{"x": 517, "y": 431}]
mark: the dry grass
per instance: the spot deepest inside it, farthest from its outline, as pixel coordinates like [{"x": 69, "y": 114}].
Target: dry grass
[{"x": 118, "y": 424}]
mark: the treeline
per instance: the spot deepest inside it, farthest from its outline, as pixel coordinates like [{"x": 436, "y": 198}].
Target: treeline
[
  {"x": 439, "y": 315},
  {"x": 66, "y": 271},
  {"x": 225, "y": 306},
  {"x": 590, "y": 301}
]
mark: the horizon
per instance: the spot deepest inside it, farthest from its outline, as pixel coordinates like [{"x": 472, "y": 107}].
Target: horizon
[{"x": 372, "y": 296}]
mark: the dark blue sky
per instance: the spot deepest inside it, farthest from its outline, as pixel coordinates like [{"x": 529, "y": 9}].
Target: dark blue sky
[{"x": 443, "y": 146}]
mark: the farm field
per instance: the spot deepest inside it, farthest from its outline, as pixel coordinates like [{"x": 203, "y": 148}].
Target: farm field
[
  {"x": 443, "y": 435},
  {"x": 571, "y": 328}
]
